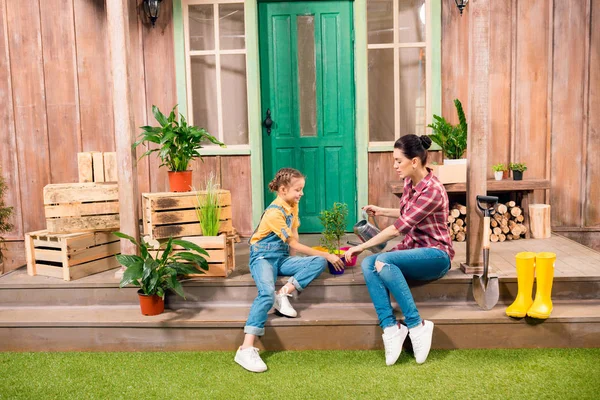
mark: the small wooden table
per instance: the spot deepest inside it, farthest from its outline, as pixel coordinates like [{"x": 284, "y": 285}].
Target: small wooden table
[{"x": 521, "y": 189}]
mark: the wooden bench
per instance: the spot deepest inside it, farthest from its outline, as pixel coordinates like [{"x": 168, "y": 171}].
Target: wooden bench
[{"x": 520, "y": 189}]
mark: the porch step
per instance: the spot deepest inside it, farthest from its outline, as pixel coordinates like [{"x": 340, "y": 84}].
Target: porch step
[
  {"x": 20, "y": 290},
  {"x": 324, "y": 326}
]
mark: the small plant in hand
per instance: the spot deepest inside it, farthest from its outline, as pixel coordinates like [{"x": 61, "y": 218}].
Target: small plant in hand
[
  {"x": 451, "y": 138},
  {"x": 207, "y": 208},
  {"x": 5, "y": 213},
  {"x": 178, "y": 143},
  {"x": 334, "y": 227},
  {"x": 157, "y": 269}
]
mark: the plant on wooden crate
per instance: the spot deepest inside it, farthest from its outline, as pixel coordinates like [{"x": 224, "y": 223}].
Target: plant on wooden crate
[
  {"x": 518, "y": 169},
  {"x": 334, "y": 228},
  {"x": 451, "y": 138},
  {"x": 178, "y": 144},
  {"x": 499, "y": 171},
  {"x": 158, "y": 268},
  {"x": 5, "y": 213},
  {"x": 207, "y": 207}
]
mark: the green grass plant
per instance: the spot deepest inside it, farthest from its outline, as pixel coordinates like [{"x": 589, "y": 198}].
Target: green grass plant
[{"x": 207, "y": 207}]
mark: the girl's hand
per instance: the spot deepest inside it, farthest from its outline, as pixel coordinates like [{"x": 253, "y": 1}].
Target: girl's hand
[
  {"x": 336, "y": 261},
  {"x": 352, "y": 251},
  {"x": 373, "y": 210}
]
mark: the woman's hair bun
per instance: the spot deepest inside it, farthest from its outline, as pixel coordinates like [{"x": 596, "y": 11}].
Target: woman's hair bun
[{"x": 425, "y": 141}]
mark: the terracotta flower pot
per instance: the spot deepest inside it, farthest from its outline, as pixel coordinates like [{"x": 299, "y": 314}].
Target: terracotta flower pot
[
  {"x": 180, "y": 181},
  {"x": 151, "y": 305}
]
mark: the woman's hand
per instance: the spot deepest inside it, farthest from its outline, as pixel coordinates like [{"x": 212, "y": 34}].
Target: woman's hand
[
  {"x": 374, "y": 210},
  {"x": 352, "y": 251},
  {"x": 336, "y": 261}
]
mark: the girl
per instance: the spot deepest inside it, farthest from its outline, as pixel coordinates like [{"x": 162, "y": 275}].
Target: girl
[
  {"x": 272, "y": 248},
  {"x": 424, "y": 253}
]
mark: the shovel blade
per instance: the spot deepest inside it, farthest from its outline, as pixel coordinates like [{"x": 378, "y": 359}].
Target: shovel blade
[{"x": 486, "y": 296}]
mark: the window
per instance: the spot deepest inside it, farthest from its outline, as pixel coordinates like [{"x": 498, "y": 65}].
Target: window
[
  {"x": 215, "y": 50},
  {"x": 398, "y": 69}
]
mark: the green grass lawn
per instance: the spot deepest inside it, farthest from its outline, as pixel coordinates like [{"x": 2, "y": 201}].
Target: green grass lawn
[{"x": 461, "y": 374}]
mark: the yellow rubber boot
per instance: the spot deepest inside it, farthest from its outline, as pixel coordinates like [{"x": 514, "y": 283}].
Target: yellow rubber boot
[
  {"x": 525, "y": 273},
  {"x": 544, "y": 273}
]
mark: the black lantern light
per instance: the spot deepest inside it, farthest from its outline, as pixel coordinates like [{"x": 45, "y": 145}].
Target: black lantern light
[
  {"x": 461, "y": 4},
  {"x": 152, "y": 8}
]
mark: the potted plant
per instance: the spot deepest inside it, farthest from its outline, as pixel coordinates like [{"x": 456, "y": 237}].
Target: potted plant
[
  {"x": 207, "y": 208},
  {"x": 158, "y": 269},
  {"x": 178, "y": 144},
  {"x": 5, "y": 225},
  {"x": 518, "y": 169},
  {"x": 499, "y": 171},
  {"x": 334, "y": 228},
  {"x": 453, "y": 141}
]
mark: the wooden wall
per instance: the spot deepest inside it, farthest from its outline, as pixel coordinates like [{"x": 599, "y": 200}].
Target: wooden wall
[
  {"x": 545, "y": 98},
  {"x": 56, "y": 100}
]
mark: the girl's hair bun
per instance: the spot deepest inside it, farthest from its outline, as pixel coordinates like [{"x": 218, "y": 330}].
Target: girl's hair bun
[{"x": 425, "y": 141}]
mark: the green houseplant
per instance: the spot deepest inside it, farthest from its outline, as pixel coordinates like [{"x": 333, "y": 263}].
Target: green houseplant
[
  {"x": 178, "y": 144},
  {"x": 499, "y": 171},
  {"x": 518, "y": 169},
  {"x": 157, "y": 269},
  {"x": 334, "y": 228},
  {"x": 5, "y": 213},
  {"x": 207, "y": 208},
  {"x": 451, "y": 138}
]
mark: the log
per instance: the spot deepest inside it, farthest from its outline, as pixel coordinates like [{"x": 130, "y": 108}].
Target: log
[
  {"x": 451, "y": 219},
  {"x": 502, "y": 209},
  {"x": 456, "y": 228},
  {"x": 516, "y": 231},
  {"x": 462, "y": 210},
  {"x": 523, "y": 228},
  {"x": 516, "y": 211},
  {"x": 493, "y": 223},
  {"x": 494, "y": 238},
  {"x": 455, "y": 213},
  {"x": 460, "y": 237},
  {"x": 520, "y": 218},
  {"x": 511, "y": 204},
  {"x": 509, "y": 237},
  {"x": 460, "y": 222},
  {"x": 505, "y": 229},
  {"x": 539, "y": 221},
  {"x": 497, "y": 231},
  {"x": 512, "y": 224},
  {"x": 502, "y": 237}
]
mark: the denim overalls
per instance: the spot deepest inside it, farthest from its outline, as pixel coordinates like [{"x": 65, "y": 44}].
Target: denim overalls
[{"x": 270, "y": 257}]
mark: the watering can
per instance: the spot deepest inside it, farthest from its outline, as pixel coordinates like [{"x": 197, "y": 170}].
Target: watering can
[{"x": 365, "y": 231}]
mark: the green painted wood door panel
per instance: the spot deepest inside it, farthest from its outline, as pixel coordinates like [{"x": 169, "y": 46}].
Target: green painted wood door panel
[{"x": 307, "y": 83}]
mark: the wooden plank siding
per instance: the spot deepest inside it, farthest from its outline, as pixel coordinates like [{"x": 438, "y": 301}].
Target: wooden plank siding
[{"x": 591, "y": 215}]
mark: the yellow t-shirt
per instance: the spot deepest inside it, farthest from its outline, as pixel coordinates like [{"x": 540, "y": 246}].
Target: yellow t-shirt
[{"x": 274, "y": 221}]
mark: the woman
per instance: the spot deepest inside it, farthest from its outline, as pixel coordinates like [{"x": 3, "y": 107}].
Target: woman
[{"x": 424, "y": 254}]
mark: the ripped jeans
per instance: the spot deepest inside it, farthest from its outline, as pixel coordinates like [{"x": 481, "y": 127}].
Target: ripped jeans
[
  {"x": 422, "y": 264},
  {"x": 267, "y": 261}
]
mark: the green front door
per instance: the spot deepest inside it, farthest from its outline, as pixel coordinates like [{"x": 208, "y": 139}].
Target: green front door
[{"x": 307, "y": 84}]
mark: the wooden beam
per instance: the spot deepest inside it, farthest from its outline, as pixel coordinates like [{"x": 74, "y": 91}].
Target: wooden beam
[
  {"x": 479, "y": 128},
  {"x": 118, "y": 35}
]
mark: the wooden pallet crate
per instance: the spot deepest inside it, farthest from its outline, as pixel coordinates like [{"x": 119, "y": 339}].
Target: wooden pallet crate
[
  {"x": 173, "y": 214},
  {"x": 96, "y": 166},
  {"x": 81, "y": 207},
  {"x": 70, "y": 256},
  {"x": 221, "y": 254}
]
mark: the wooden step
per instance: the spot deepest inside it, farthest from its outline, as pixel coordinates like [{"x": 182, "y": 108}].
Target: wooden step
[{"x": 324, "y": 326}]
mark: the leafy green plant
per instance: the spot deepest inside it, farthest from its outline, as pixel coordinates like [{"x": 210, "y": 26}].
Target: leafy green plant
[
  {"x": 518, "y": 167},
  {"x": 334, "y": 226},
  {"x": 178, "y": 142},
  {"x": 5, "y": 213},
  {"x": 451, "y": 138},
  {"x": 499, "y": 167},
  {"x": 207, "y": 207},
  {"x": 155, "y": 274}
]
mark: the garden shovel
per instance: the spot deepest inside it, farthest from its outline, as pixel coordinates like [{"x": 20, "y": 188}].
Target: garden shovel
[{"x": 485, "y": 287}]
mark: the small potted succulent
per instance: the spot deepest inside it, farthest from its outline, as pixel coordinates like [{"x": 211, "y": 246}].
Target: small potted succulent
[
  {"x": 158, "y": 269},
  {"x": 334, "y": 228},
  {"x": 517, "y": 170},
  {"x": 178, "y": 144},
  {"x": 499, "y": 171}
]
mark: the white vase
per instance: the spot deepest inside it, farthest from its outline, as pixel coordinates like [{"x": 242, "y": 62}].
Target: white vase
[
  {"x": 498, "y": 175},
  {"x": 455, "y": 162}
]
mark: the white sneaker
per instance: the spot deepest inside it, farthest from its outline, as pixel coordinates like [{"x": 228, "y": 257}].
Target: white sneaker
[
  {"x": 393, "y": 344},
  {"x": 283, "y": 306},
  {"x": 420, "y": 337},
  {"x": 250, "y": 360}
]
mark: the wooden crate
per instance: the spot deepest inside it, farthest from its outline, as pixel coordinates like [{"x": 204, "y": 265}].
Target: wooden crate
[
  {"x": 81, "y": 207},
  {"x": 174, "y": 214},
  {"x": 95, "y": 166},
  {"x": 70, "y": 256},
  {"x": 221, "y": 254}
]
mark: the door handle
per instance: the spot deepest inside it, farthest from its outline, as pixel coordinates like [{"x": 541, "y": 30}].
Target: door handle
[{"x": 268, "y": 122}]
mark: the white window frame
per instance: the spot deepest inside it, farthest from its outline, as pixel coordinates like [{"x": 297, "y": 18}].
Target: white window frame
[
  {"x": 217, "y": 53},
  {"x": 375, "y": 146}
]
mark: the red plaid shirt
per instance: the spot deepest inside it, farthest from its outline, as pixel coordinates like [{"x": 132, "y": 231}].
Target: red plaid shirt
[{"x": 424, "y": 215}]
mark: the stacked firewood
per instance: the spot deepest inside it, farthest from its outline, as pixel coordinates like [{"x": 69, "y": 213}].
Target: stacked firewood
[{"x": 505, "y": 224}]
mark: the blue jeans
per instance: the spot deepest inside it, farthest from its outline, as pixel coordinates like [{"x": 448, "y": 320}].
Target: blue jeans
[
  {"x": 422, "y": 264},
  {"x": 267, "y": 261}
]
